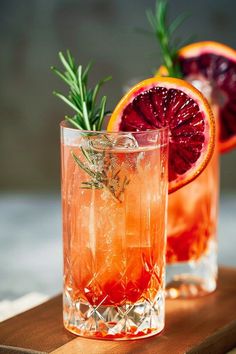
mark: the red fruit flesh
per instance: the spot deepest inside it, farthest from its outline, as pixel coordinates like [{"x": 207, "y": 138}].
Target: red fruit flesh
[
  {"x": 160, "y": 107},
  {"x": 221, "y": 72}
]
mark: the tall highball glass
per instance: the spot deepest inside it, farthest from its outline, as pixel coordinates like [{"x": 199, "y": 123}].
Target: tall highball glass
[
  {"x": 114, "y": 197},
  {"x": 192, "y": 226}
]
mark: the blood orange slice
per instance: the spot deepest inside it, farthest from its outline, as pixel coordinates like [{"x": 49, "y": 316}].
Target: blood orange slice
[
  {"x": 159, "y": 102},
  {"x": 217, "y": 63}
]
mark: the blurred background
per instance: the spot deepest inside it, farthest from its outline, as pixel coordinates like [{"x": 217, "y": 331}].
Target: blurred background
[{"x": 106, "y": 31}]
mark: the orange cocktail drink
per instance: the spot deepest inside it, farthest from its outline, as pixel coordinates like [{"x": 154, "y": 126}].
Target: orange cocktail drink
[
  {"x": 192, "y": 227},
  {"x": 192, "y": 217},
  {"x": 114, "y": 192}
]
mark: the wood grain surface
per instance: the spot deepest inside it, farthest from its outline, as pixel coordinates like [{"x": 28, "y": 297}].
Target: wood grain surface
[{"x": 206, "y": 325}]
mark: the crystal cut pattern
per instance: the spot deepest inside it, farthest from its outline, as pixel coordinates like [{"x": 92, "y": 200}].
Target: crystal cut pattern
[
  {"x": 142, "y": 319},
  {"x": 114, "y": 243}
]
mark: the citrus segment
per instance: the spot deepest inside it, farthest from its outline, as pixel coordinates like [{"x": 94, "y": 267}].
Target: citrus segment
[
  {"x": 216, "y": 63},
  {"x": 159, "y": 102}
]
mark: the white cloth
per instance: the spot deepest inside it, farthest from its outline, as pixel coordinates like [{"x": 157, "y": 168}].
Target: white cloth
[{"x": 10, "y": 308}]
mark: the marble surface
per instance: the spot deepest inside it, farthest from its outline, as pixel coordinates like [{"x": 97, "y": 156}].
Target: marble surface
[{"x": 31, "y": 247}]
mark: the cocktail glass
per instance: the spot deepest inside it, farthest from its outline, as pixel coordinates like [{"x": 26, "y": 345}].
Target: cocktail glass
[
  {"x": 114, "y": 196},
  {"x": 192, "y": 226}
]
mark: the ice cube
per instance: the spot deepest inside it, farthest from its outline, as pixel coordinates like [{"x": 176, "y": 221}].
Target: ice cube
[
  {"x": 111, "y": 141},
  {"x": 125, "y": 141}
]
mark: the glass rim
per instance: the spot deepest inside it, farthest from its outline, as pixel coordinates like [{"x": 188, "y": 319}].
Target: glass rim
[{"x": 63, "y": 124}]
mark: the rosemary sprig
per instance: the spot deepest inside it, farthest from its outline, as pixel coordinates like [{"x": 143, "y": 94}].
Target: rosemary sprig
[
  {"x": 164, "y": 34},
  {"x": 103, "y": 172},
  {"x": 89, "y": 114}
]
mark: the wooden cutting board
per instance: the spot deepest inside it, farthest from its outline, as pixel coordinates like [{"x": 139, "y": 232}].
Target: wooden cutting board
[{"x": 205, "y": 325}]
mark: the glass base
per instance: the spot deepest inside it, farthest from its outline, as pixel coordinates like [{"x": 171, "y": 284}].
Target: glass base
[
  {"x": 194, "y": 278},
  {"x": 126, "y": 322}
]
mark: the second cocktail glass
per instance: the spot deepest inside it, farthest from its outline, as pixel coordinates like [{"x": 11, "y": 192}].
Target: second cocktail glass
[
  {"x": 191, "y": 257},
  {"x": 192, "y": 227},
  {"x": 114, "y": 193}
]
